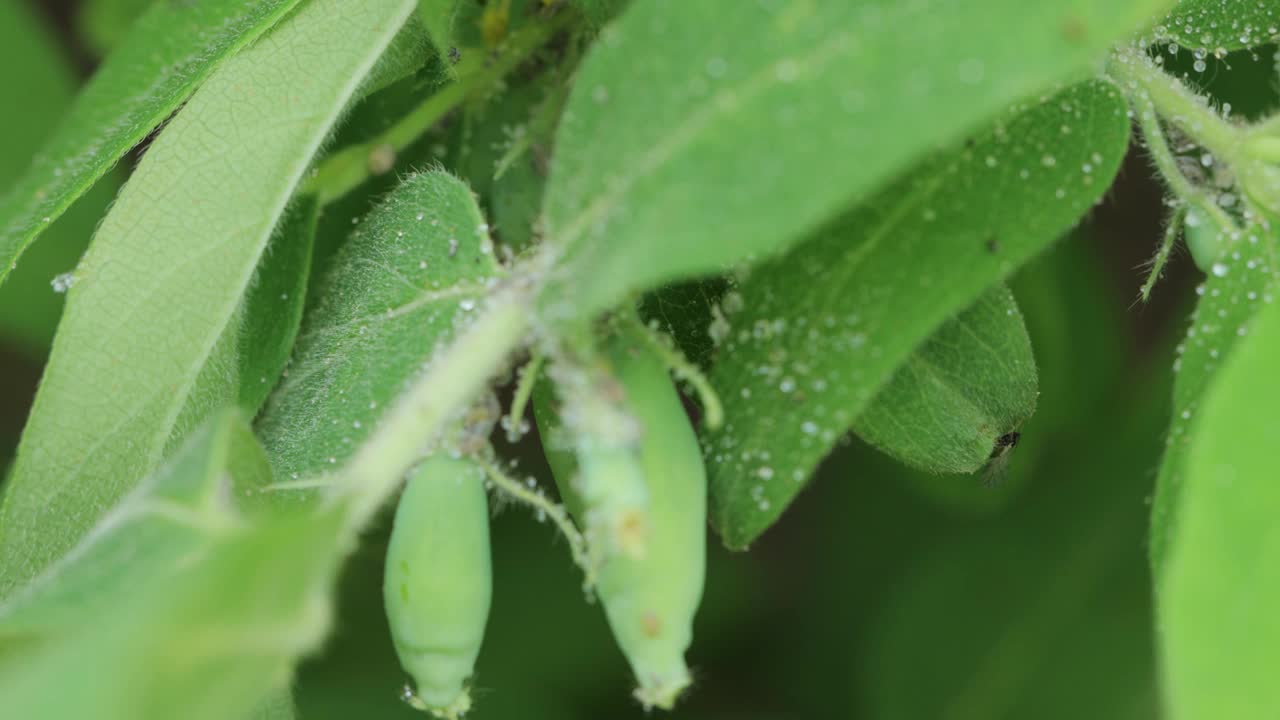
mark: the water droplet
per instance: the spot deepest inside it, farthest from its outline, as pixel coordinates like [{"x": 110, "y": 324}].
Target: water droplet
[{"x": 1219, "y": 269}]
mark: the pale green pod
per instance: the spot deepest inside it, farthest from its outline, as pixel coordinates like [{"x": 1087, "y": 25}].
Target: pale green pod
[
  {"x": 1204, "y": 239},
  {"x": 650, "y": 601},
  {"x": 439, "y": 580},
  {"x": 611, "y": 495}
]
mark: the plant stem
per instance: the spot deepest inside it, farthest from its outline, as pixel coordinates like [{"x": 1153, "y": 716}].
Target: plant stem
[
  {"x": 536, "y": 500},
  {"x": 1167, "y": 165},
  {"x": 346, "y": 169},
  {"x": 524, "y": 390},
  {"x": 452, "y": 380},
  {"x": 683, "y": 369},
  {"x": 1162, "y": 255},
  {"x": 1149, "y": 85}
]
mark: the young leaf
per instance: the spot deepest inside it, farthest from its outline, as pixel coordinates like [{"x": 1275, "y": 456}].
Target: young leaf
[
  {"x": 1221, "y": 580},
  {"x": 438, "y": 18},
  {"x": 824, "y": 328},
  {"x": 169, "y": 267},
  {"x": 167, "y": 517},
  {"x": 178, "y": 604},
  {"x": 408, "y": 53},
  {"x": 170, "y": 51},
  {"x": 952, "y": 406},
  {"x": 273, "y": 308},
  {"x": 1239, "y": 282},
  {"x": 493, "y": 131},
  {"x": 417, "y": 268},
  {"x": 719, "y": 147},
  {"x": 34, "y": 69},
  {"x": 1215, "y": 27}
]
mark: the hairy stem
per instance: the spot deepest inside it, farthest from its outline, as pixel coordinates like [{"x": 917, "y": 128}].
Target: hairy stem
[
  {"x": 1167, "y": 165},
  {"x": 1151, "y": 87},
  {"x": 346, "y": 169},
  {"x": 524, "y": 390},
  {"x": 452, "y": 380},
  {"x": 683, "y": 369},
  {"x": 1162, "y": 255},
  {"x": 539, "y": 502}
]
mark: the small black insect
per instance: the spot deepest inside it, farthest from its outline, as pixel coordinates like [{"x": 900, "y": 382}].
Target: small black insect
[
  {"x": 998, "y": 462},
  {"x": 455, "y": 55},
  {"x": 1005, "y": 443},
  {"x": 993, "y": 247}
]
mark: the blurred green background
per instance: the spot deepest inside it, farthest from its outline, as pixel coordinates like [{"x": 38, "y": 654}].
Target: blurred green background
[{"x": 882, "y": 594}]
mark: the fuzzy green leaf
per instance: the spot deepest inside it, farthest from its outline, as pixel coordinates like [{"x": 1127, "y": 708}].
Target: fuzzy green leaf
[
  {"x": 418, "y": 267},
  {"x": 1221, "y": 582},
  {"x": 167, "y": 517},
  {"x": 1239, "y": 282},
  {"x": 273, "y": 308},
  {"x": 438, "y": 17},
  {"x": 170, "y": 51},
  {"x": 34, "y": 69},
  {"x": 824, "y": 328},
  {"x": 179, "y": 603},
  {"x": 970, "y": 384},
  {"x": 1216, "y": 27},
  {"x": 166, "y": 273},
  {"x": 408, "y": 53},
  {"x": 749, "y": 128},
  {"x": 501, "y": 153}
]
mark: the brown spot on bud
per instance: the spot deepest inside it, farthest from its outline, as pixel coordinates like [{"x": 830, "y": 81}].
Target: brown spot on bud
[{"x": 650, "y": 625}]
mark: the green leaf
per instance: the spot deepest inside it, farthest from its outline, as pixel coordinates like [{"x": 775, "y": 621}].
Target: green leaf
[
  {"x": 1221, "y": 581},
  {"x": 408, "y": 53},
  {"x": 273, "y": 308},
  {"x": 949, "y": 405},
  {"x": 170, "y": 51},
  {"x": 167, "y": 517},
  {"x": 1215, "y": 27},
  {"x": 168, "y": 269},
  {"x": 438, "y": 18},
  {"x": 824, "y": 328},
  {"x": 35, "y": 69},
  {"x": 721, "y": 146},
  {"x": 494, "y": 131},
  {"x": 1239, "y": 282},
  {"x": 179, "y": 603},
  {"x": 416, "y": 269}
]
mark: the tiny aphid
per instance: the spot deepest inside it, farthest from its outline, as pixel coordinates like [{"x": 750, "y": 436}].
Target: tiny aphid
[
  {"x": 455, "y": 55},
  {"x": 993, "y": 247},
  {"x": 998, "y": 463}
]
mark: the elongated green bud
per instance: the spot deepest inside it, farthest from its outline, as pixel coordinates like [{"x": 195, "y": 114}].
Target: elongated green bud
[
  {"x": 651, "y": 600},
  {"x": 610, "y": 497},
  {"x": 438, "y": 581}
]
